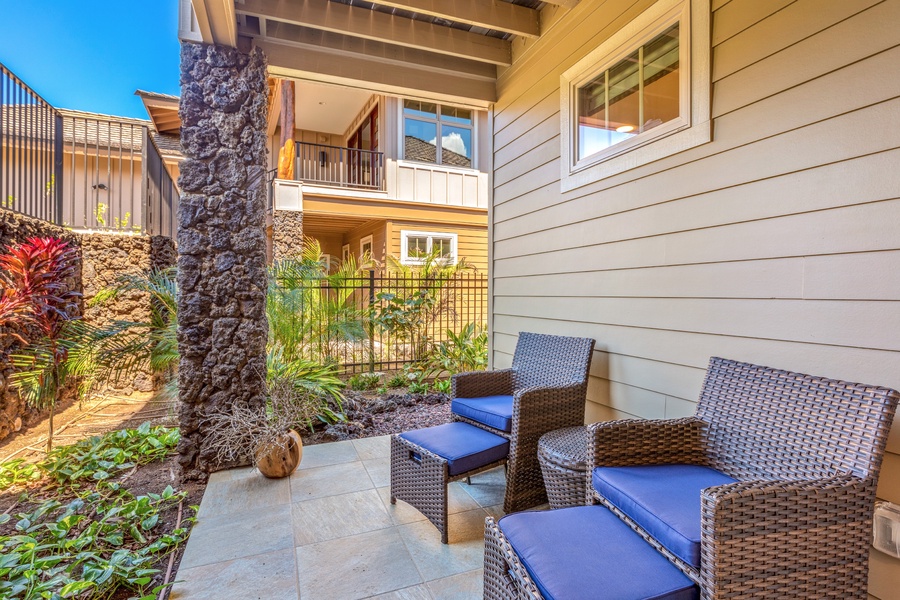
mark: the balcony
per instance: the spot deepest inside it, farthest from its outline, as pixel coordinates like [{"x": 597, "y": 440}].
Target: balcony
[{"x": 321, "y": 164}]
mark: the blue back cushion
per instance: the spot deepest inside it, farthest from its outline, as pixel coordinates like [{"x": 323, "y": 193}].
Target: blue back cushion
[
  {"x": 493, "y": 411},
  {"x": 464, "y": 446},
  {"x": 587, "y": 553},
  {"x": 663, "y": 499}
]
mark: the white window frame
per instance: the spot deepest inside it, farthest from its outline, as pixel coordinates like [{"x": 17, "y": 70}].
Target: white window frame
[
  {"x": 327, "y": 261},
  {"x": 345, "y": 253},
  {"x": 438, "y": 136},
  {"x": 692, "y": 128},
  {"x": 405, "y": 234},
  {"x": 362, "y": 248}
]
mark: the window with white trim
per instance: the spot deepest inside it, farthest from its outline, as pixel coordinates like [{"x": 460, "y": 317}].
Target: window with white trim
[
  {"x": 415, "y": 246},
  {"x": 640, "y": 96},
  {"x": 437, "y": 133},
  {"x": 365, "y": 248},
  {"x": 345, "y": 253}
]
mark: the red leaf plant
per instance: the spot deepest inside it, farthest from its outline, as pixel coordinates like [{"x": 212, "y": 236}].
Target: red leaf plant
[{"x": 36, "y": 302}]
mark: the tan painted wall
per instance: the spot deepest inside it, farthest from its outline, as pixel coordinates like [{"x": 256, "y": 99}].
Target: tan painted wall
[
  {"x": 777, "y": 243},
  {"x": 471, "y": 241}
]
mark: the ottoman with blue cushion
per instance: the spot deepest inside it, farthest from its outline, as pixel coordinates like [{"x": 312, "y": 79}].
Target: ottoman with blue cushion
[
  {"x": 577, "y": 553},
  {"x": 424, "y": 461}
]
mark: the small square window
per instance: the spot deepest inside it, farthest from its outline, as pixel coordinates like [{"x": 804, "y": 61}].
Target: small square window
[{"x": 416, "y": 246}]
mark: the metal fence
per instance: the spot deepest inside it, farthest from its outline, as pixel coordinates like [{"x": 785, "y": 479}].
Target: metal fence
[
  {"x": 342, "y": 167},
  {"x": 79, "y": 170},
  {"x": 30, "y": 151},
  {"x": 380, "y": 322}
]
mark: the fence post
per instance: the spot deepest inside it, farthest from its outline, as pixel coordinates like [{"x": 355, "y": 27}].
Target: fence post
[
  {"x": 371, "y": 321},
  {"x": 145, "y": 183},
  {"x": 58, "y": 167}
]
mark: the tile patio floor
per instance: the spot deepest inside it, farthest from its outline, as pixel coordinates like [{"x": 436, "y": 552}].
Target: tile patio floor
[{"x": 329, "y": 532}]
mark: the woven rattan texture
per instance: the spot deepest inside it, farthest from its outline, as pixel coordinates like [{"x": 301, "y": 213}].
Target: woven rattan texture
[
  {"x": 563, "y": 457},
  {"x": 807, "y": 451},
  {"x": 548, "y": 382},
  {"x": 422, "y": 481}
]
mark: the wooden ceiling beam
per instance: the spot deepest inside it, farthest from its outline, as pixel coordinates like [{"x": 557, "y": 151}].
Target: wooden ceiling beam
[
  {"x": 489, "y": 14},
  {"x": 563, "y": 3},
  {"x": 381, "y": 27},
  {"x": 366, "y": 72}
]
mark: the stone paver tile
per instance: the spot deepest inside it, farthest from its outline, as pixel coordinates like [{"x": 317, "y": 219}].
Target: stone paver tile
[
  {"x": 487, "y": 488},
  {"x": 463, "y": 586},
  {"x": 379, "y": 470},
  {"x": 232, "y": 474},
  {"x": 333, "y": 453},
  {"x": 435, "y": 560},
  {"x": 495, "y": 511},
  {"x": 270, "y": 576},
  {"x": 457, "y": 501},
  {"x": 253, "y": 492},
  {"x": 226, "y": 537},
  {"x": 354, "y": 567},
  {"x": 416, "y": 592},
  {"x": 373, "y": 447},
  {"x": 329, "y": 481},
  {"x": 334, "y": 517}
]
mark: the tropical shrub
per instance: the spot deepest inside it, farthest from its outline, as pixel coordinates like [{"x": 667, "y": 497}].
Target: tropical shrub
[
  {"x": 35, "y": 278},
  {"x": 364, "y": 382},
  {"x": 460, "y": 352},
  {"x": 93, "y": 536}
]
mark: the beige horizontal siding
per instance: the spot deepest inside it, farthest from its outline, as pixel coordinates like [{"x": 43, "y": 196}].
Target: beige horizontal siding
[{"x": 777, "y": 243}]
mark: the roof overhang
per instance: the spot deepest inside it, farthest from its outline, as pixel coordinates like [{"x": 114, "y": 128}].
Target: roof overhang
[
  {"x": 162, "y": 110},
  {"x": 436, "y": 49}
]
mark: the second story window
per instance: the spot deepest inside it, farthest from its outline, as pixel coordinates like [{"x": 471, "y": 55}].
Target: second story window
[{"x": 437, "y": 133}]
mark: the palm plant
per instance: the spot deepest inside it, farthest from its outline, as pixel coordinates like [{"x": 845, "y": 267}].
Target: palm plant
[
  {"x": 313, "y": 313},
  {"x": 36, "y": 298},
  {"x": 116, "y": 351}
]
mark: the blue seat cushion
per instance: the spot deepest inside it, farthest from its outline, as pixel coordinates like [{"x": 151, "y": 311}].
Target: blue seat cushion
[
  {"x": 663, "y": 499},
  {"x": 464, "y": 446},
  {"x": 493, "y": 411},
  {"x": 587, "y": 553}
]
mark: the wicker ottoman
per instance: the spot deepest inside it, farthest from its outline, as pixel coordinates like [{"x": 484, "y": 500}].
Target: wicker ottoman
[
  {"x": 563, "y": 457},
  {"x": 424, "y": 461}
]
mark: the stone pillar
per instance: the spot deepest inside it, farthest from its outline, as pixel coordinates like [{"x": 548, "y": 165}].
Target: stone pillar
[
  {"x": 221, "y": 241},
  {"x": 287, "y": 234}
]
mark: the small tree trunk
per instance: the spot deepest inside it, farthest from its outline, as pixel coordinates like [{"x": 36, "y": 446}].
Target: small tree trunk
[{"x": 50, "y": 433}]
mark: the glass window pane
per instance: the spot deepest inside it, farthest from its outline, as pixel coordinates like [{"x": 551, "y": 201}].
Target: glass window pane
[
  {"x": 420, "y": 140},
  {"x": 625, "y": 98},
  {"x": 420, "y": 109},
  {"x": 456, "y": 146},
  {"x": 442, "y": 246},
  {"x": 417, "y": 246},
  {"x": 452, "y": 114},
  {"x": 661, "y": 79}
]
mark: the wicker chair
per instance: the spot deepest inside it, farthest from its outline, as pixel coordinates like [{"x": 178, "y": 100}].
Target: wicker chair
[
  {"x": 545, "y": 389},
  {"x": 804, "y": 455}
]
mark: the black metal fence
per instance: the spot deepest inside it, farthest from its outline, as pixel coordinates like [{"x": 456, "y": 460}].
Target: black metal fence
[
  {"x": 379, "y": 322},
  {"x": 80, "y": 170},
  {"x": 30, "y": 151},
  {"x": 342, "y": 167}
]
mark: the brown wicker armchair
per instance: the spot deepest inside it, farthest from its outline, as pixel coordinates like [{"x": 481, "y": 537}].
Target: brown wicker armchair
[
  {"x": 545, "y": 389},
  {"x": 805, "y": 451}
]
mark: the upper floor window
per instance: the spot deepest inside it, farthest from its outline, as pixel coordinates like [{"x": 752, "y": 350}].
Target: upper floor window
[
  {"x": 437, "y": 133},
  {"x": 640, "y": 96},
  {"x": 415, "y": 246}
]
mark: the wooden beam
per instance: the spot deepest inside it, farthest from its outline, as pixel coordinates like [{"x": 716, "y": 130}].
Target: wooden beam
[
  {"x": 373, "y": 25},
  {"x": 397, "y": 55},
  {"x": 490, "y": 14},
  {"x": 217, "y": 20},
  {"x": 358, "y": 71},
  {"x": 563, "y": 3},
  {"x": 286, "y": 153}
]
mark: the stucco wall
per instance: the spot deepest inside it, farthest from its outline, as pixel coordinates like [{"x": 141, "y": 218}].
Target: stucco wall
[{"x": 777, "y": 243}]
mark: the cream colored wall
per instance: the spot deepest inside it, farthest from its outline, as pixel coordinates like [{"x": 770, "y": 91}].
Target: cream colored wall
[{"x": 777, "y": 243}]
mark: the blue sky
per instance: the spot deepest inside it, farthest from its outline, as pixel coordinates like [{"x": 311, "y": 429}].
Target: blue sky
[{"x": 92, "y": 54}]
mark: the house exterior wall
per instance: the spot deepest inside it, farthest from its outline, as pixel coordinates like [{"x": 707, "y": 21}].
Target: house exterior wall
[
  {"x": 776, "y": 243},
  {"x": 471, "y": 240}
]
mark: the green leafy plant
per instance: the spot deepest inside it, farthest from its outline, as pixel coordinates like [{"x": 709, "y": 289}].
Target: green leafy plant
[
  {"x": 100, "y": 214},
  {"x": 464, "y": 351},
  {"x": 398, "y": 380},
  {"x": 35, "y": 280},
  {"x": 364, "y": 381},
  {"x": 93, "y": 536},
  {"x": 8, "y": 203},
  {"x": 442, "y": 385}
]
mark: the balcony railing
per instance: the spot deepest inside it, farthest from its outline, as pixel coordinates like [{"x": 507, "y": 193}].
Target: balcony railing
[
  {"x": 340, "y": 167},
  {"x": 83, "y": 172}
]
